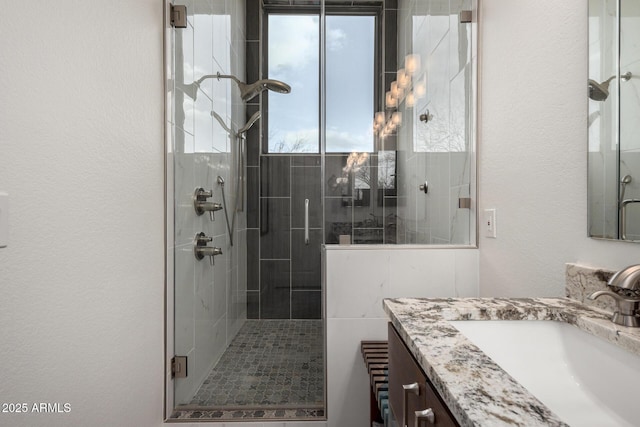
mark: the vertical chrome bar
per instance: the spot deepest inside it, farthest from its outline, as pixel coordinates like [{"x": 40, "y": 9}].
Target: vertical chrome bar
[{"x": 306, "y": 221}]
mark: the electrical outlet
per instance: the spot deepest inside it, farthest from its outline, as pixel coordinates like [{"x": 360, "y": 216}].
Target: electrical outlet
[{"x": 490, "y": 223}]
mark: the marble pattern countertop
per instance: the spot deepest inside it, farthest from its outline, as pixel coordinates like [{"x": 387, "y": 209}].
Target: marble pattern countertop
[{"x": 477, "y": 391}]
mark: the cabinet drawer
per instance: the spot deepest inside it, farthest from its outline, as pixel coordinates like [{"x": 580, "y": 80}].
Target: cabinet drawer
[{"x": 404, "y": 370}]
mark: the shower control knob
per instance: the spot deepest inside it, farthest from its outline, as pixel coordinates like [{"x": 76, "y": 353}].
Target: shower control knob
[
  {"x": 201, "y": 250},
  {"x": 202, "y": 239},
  {"x": 424, "y": 187},
  {"x": 201, "y": 205}
]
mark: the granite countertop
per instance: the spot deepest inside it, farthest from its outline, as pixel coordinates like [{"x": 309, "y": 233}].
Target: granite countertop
[{"x": 477, "y": 391}]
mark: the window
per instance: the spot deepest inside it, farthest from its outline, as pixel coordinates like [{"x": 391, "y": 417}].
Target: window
[{"x": 293, "y": 56}]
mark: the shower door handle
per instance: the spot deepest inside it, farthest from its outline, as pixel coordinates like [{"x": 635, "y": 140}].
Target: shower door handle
[{"x": 306, "y": 221}]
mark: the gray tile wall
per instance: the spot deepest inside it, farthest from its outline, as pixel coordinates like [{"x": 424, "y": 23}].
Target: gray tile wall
[
  {"x": 283, "y": 278},
  {"x": 284, "y": 272}
]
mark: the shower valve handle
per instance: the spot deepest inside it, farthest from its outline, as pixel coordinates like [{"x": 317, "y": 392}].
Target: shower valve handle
[
  {"x": 202, "y": 239},
  {"x": 201, "y": 205}
]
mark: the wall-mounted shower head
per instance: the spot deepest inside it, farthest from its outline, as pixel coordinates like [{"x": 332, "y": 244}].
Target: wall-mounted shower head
[
  {"x": 249, "y": 91},
  {"x": 250, "y": 123},
  {"x": 246, "y": 91},
  {"x": 600, "y": 91}
]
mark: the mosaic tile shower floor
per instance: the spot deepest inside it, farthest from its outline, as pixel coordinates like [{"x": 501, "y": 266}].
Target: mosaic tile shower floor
[{"x": 273, "y": 368}]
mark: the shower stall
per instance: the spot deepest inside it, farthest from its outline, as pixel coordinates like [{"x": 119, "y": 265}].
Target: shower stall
[{"x": 293, "y": 124}]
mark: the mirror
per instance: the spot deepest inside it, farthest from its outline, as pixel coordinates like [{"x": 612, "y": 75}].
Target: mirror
[{"x": 613, "y": 89}]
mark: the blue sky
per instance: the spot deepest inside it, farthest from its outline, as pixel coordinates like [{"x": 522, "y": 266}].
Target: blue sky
[{"x": 294, "y": 58}]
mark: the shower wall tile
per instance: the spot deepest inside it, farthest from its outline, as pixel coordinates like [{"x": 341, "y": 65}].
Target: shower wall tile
[
  {"x": 390, "y": 39},
  {"x": 184, "y": 292},
  {"x": 306, "y": 184},
  {"x": 222, "y": 280},
  {"x": 275, "y": 231},
  {"x": 221, "y": 37},
  {"x": 253, "y": 62},
  {"x": 253, "y": 259},
  {"x": 203, "y": 126},
  {"x": 306, "y": 260},
  {"x": 253, "y": 20},
  {"x": 253, "y": 304},
  {"x": 274, "y": 176},
  {"x": 253, "y": 196},
  {"x": 184, "y": 215},
  {"x": 221, "y": 107},
  {"x": 203, "y": 47},
  {"x": 275, "y": 289},
  {"x": 306, "y": 305},
  {"x": 184, "y": 56},
  {"x": 310, "y": 160},
  {"x": 253, "y": 137}
]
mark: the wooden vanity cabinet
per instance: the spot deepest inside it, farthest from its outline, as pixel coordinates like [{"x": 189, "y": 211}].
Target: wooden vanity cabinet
[{"x": 417, "y": 394}]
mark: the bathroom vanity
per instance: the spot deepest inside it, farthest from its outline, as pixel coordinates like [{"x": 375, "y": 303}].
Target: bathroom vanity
[
  {"x": 464, "y": 386},
  {"x": 412, "y": 397}
]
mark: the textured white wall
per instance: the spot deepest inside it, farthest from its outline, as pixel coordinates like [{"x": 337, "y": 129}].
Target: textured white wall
[
  {"x": 81, "y": 155},
  {"x": 533, "y": 148}
]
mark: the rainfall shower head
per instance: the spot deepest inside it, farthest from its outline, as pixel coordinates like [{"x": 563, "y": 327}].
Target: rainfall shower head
[
  {"x": 600, "y": 91},
  {"x": 250, "y": 123}
]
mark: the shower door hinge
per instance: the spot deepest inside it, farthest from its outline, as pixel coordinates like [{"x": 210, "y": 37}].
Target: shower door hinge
[
  {"x": 466, "y": 16},
  {"x": 179, "y": 367},
  {"x": 179, "y": 16}
]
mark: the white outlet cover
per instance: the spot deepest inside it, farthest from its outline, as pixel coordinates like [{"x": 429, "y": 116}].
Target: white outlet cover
[{"x": 489, "y": 225}]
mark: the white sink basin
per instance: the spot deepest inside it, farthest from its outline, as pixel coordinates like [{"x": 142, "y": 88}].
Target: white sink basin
[{"x": 585, "y": 380}]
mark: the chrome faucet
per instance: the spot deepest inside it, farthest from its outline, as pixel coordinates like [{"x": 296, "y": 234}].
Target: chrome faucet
[{"x": 624, "y": 288}]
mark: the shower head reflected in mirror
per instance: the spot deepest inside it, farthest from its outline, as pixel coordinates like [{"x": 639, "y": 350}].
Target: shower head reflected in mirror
[
  {"x": 247, "y": 91},
  {"x": 600, "y": 91}
]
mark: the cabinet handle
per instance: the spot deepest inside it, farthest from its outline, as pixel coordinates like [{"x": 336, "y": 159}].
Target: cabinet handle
[
  {"x": 406, "y": 389},
  {"x": 425, "y": 415}
]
